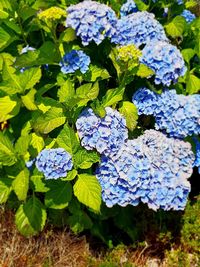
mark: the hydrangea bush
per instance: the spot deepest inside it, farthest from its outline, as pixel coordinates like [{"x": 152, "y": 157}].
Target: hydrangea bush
[{"x": 99, "y": 111}]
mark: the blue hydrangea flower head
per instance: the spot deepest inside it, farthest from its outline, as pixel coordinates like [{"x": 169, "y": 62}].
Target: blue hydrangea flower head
[
  {"x": 188, "y": 15},
  {"x": 146, "y": 101},
  {"x": 152, "y": 168},
  {"x": 54, "y": 163},
  {"x": 75, "y": 60},
  {"x": 128, "y": 8},
  {"x": 92, "y": 21},
  {"x": 165, "y": 60},
  {"x": 180, "y": 2},
  {"x": 138, "y": 28},
  {"x": 106, "y": 135},
  {"x": 177, "y": 115},
  {"x": 197, "y": 154}
]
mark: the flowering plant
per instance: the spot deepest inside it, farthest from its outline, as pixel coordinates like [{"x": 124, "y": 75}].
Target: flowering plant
[{"x": 99, "y": 109}]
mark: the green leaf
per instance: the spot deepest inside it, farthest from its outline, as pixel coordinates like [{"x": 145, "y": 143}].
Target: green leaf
[
  {"x": 68, "y": 140},
  {"x": 59, "y": 194},
  {"x": 96, "y": 72},
  {"x": 87, "y": 92},
  {"x": 113, "y": 96},
  {"x": 68, "y": 35},
  {"x": 37, "y": 142},
  {"x": 30, "y": 217},
  {"x": 3, "y": 14},
  {"x": 11, "y": 82},
  {"x": 29, "y": 100},
  {"x": 20, "y": 184},
  {"x": 71, "y": 175},
  {"x": 188, "y": 53},
  {"x": 9, "y": 107},
  {"x": 66, "y": 91},
  {"x": 88, "y": 191},
  {"x": 84, "y": 159},
  {"x": 193, "y": 84},
  {"x": 176, "y": 27},
  {"x": 5, "y": 189},
  {"x": 49, "y": 121},
  {"x": 144, "y": 71},
  {"x": 7, "y": 153},
  {"x": 30, "y": 77},
  {"x": 141, "y": 5},
  {"x": 79, "y": 222},
  {"x": 22, "y": 144},
  {"x": 129, "y": 111},
  {"x": 38, "y": 182}
]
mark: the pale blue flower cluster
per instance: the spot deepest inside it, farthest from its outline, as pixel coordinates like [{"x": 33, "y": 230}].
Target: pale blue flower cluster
[
  {"x": 138, "y": 28},
  {"x": 177, "y": 115},
  {"x": 54, "y": 163},
  {"x": 179, "y": 2},
  {"x": 92, "y": 21},
  {"x": 165, "y": 60},
  {"x": 197, "y": 159},
  {"x": 188, "y": 15},
  {"x": 106, "y": 135},
  {"x": 128, "y": 8},
  {"x": 146, "y": 101},
  {"x": 152, "y": 169},
  {"x": 75, "y": 60}
]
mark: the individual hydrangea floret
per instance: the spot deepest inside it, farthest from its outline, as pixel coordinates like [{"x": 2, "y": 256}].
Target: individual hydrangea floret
[
  {"x": 138, "y": 28},
  {"x": 152, "y": 168},
  {"x": 75, "y": 60},
  {"x": 197, "y": 154},
  {"x": 177, "y": 115},
  {"x": 128, "y": 8},
  {"x": 26, "y": 49},
  {"x": 54, "y": 163},
  {"x": 146, "y": 101},
  {"x": 165, "y": 60},
  {"x": 106, "y": 135},
  {"x": 92, "y": 21},
  {"x": 188, "y": 15}
]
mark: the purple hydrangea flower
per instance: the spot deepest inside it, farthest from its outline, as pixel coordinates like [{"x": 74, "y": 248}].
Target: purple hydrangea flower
[
  {"x": 188, "y": 15},
  {"x": 54, "y": 163},
  {"x": 75, "y": 60},
  {"x": 92, "y": 21},
  {"x": 138, "y": 28},
  {"x": 106, "y": 135},
  {"x": 165, "y": 60},
  {"x": 152, "y": 168},
  {"x": 177, "y": 115},
  {"x": 128, "y": 8}
]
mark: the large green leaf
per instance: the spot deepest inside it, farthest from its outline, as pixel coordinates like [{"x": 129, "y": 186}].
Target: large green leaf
[
  {"x": 87, "y": 92},
  {"x": 30, "y": 217},
  {"x": 30, "y": 77},
  {"x": 29, "y": 100},
  {"x": 95, "y": 73},
  {"x": 20, "y": 184},
  {"x": 88, "y": 191},
  {"x": 49, "y": 121},
  {"x": 22, "y": 145},
  {"x": 7, "y": 153},
  {"x": 58, "y": 195},
  {"x": 85, "y": 159},
  {"x": 66, "y": 91},
  {"x": 112, "y": 97},
  {"x": 68, "y": 140},
  {"x": 79, "y": 222},
  {"x": 188, "y": 53},
  {"x": 9, "y": 107},
  {"x": 129, "y": 111},
  {"x": 193, "y": 84},
  {"x": 176, "y": 27},
  {"x": 5, "y": 189},
  {"x": 37, "y": 142}
]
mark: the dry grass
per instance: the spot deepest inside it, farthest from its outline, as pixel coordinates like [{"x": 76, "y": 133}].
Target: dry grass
[
  {"x": 51, "y": 248},
  {"x": 60, "y": 248}
]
